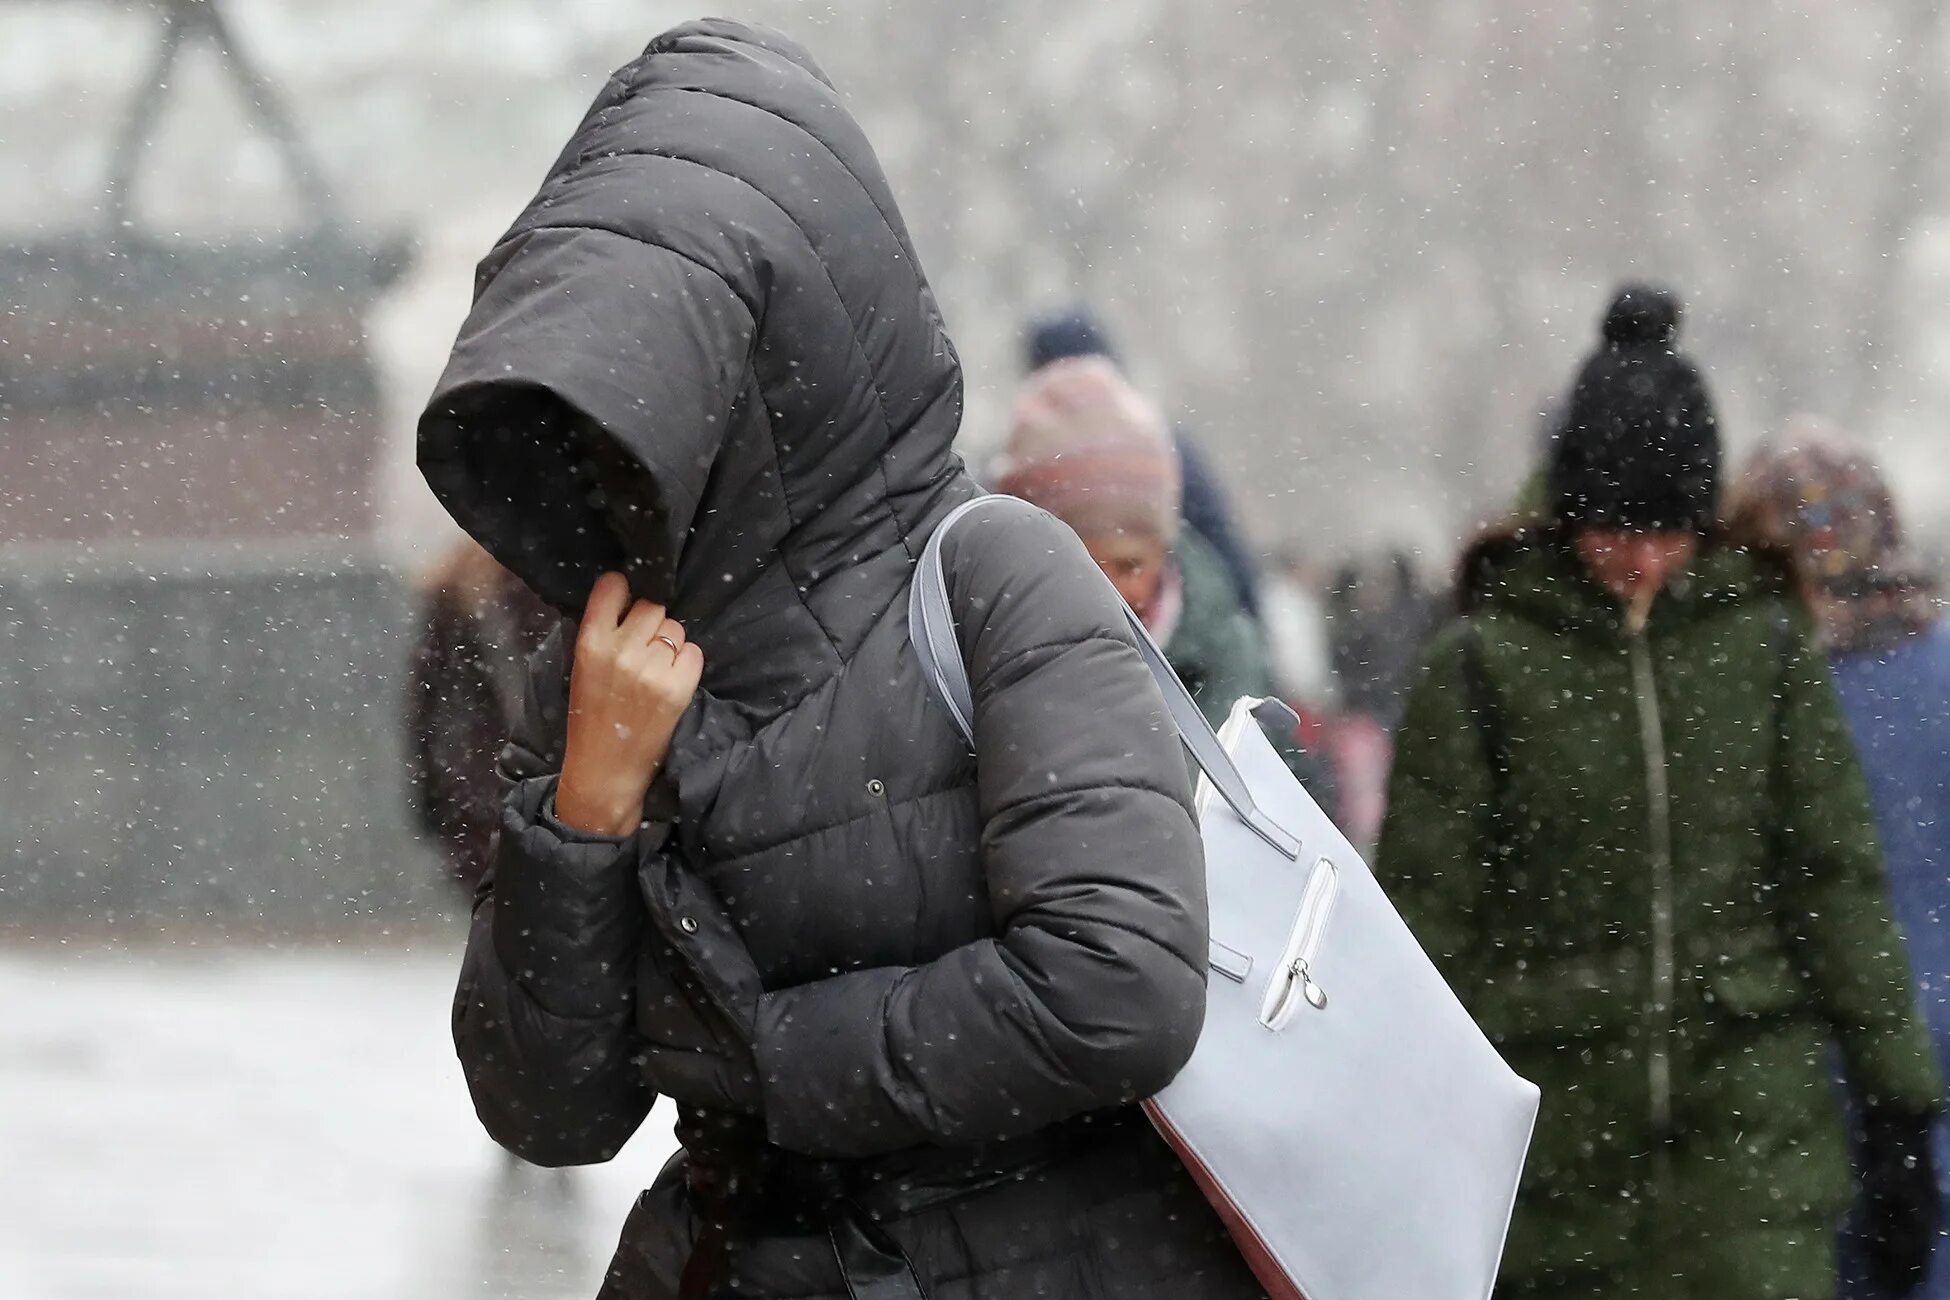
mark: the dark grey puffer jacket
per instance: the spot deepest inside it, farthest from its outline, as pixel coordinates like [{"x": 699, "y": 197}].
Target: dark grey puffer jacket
[{"x": 970, "y": 966}]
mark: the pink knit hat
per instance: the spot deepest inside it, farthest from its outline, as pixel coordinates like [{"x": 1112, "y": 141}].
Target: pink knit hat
[{"x": 1090, "y": 449}]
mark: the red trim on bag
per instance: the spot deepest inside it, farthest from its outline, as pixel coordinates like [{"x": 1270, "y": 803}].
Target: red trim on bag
[{"x": 1258, "y": 1255}]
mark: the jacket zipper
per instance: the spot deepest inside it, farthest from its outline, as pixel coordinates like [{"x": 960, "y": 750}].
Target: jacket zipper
[{"x": 1658, "y": 792}]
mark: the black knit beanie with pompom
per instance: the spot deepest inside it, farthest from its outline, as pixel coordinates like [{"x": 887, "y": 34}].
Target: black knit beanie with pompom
[{"x": 1640, "y": 444}]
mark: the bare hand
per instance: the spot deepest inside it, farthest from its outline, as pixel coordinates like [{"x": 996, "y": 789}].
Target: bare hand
[{"x": 634, "y": 675}]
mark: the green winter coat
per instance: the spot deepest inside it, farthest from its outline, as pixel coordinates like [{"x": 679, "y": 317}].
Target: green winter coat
[
  {"x": 1646, "y": 863},
  {"x": 1216, "y": 649}
]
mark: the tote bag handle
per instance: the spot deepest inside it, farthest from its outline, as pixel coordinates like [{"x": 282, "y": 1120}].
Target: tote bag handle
[{"x": 931, "y": 627}]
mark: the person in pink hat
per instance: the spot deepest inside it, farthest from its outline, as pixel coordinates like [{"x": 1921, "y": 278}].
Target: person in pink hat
[{"x": 1093, "y": 451}]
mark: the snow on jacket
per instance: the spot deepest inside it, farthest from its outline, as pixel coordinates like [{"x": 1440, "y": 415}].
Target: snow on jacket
[{"x": 958, "y": 957}]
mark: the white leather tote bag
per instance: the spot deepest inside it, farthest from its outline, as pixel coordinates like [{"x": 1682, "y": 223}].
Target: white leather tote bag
[{"x": 1359, "y": 1136}]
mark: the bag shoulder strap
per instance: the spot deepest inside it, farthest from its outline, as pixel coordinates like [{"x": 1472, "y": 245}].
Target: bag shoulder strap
[{"x": 931, "y": 628}]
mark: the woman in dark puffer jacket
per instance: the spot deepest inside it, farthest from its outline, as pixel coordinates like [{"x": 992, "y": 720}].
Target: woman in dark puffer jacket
[{"x": 904, "y": 998}]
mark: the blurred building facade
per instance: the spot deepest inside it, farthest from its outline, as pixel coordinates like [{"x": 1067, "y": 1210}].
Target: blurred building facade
[{"x": 199, "y": 643}]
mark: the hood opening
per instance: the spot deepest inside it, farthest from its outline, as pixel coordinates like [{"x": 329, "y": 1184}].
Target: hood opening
[{"x": 521, "y": 483}]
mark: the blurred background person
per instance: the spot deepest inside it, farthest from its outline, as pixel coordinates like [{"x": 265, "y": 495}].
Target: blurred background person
[
  {"x": 1626, "y": 820},
  {"x": 1202, "y": 500},
  {"x": 481, "y": 624},
  {"x": 1379, "y": 617},
  {"x": 1823, "y": 501},
  {"x": 464, "y": 695},
  {"x": 1090, "y": 449},
  {"x": 1093, "y": 451},
  {"x": 1351, "y": 748}
]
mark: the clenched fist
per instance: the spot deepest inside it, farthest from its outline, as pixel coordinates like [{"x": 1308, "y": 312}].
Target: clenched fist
[{"x": 633, "y": 677}]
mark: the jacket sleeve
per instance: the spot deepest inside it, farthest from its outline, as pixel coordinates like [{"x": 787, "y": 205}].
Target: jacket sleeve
[
  {"x": 1835, "y": 894},
  {"x": 1092, "y": 992},
  {"x": 1437, "y": 836},
  {"x": 544, "y": 1016}
]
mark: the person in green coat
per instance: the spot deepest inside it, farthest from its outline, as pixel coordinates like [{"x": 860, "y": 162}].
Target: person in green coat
[{"x": 1627, "y": 823}]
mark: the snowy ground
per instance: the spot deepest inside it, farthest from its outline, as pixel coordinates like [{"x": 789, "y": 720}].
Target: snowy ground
[{"x": 195, "y": 1123}]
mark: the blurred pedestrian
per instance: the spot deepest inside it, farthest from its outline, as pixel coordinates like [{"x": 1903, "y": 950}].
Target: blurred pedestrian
[
  {"x": 1351, "y": 747},
  {"x": 1379, "y": 619},
  {"x": 1076, "y": 332},
  {"x": 480, "y": 625},
  {"x": 1824, "y": 502},
  {"x": 1626, "y": 820},
  {"x": 1090, "y": 449},
  {"x": 906, "y": 999},
  {"x": 1087, "y": 447}
]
